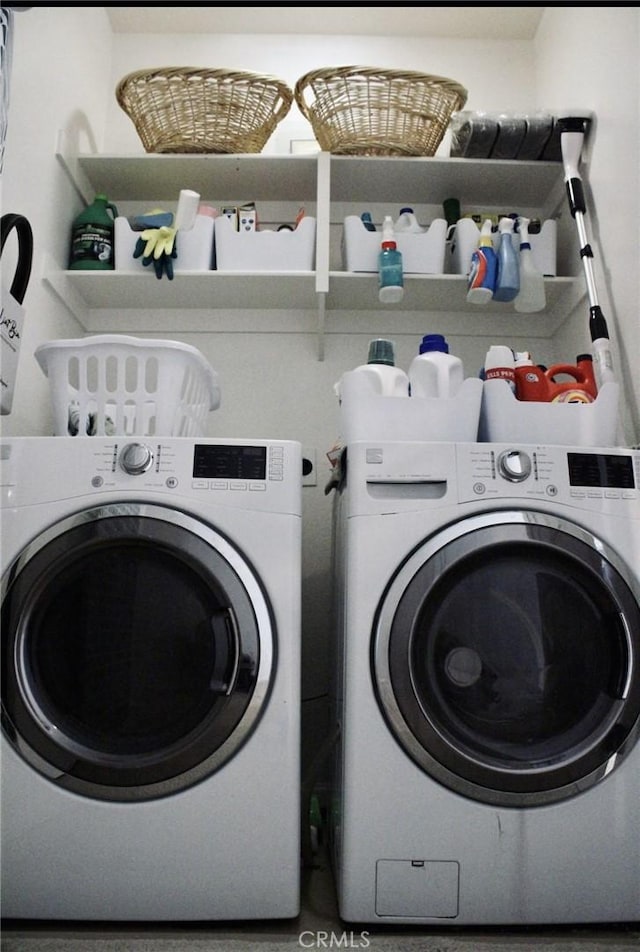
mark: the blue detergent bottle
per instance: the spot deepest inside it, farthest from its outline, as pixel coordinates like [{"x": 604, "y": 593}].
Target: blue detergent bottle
[{"x": 508, "y": 271}]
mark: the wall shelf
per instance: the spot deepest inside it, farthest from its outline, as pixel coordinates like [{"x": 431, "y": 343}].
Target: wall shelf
[{"x": 329, "y": 183}]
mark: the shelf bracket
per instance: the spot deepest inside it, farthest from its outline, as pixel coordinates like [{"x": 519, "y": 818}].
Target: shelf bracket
[
  {"x": 55, "y": 279},
  {"x": 68, "y": 158},
  {"x": 322, "y": 304}
]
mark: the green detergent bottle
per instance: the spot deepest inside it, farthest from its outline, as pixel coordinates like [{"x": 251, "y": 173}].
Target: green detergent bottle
[{"x": 92, "y": 237}]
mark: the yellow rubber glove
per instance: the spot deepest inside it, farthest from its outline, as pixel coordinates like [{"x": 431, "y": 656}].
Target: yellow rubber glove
[{"x": 157, "y": 246}]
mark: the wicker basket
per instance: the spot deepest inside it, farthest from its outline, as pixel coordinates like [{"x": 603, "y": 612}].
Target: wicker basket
[
  {"x": 357, "y": 110},
  {"x": 182, "y": 109}
]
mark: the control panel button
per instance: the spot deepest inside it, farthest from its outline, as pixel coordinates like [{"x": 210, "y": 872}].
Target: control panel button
[
  {"x": 136, "y": 459},
  {"x": 514, "y": 465}
]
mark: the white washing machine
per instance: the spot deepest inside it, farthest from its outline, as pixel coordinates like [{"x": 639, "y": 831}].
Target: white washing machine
[
  {"x": 488, "y": 684},
  {"x": 150, "y": 678}
]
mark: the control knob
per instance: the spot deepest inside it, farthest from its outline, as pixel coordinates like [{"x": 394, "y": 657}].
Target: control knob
[
  {"x": 514, "y": 465},
  {"x": 136, "y": 458}
]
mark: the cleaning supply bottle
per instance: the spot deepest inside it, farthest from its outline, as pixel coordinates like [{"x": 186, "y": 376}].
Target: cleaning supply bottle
[
  {"x": 407, "y": 223},
  {"x": 378, "y": 376},
  {"x": 531, "y": 381},
  {"x": 391, "y": 277},
  {"x": 92, "y": 245},
  {"x": 434, "y": 372},
  {"x": 582, "y": 388},
  {"x": 508, "y": 270},
  {"x": 531, "y": 296},
  {"x": 500, "y": 364},
  {"x": 367, "y": 221},
  {"x": 482, "y": 276}
]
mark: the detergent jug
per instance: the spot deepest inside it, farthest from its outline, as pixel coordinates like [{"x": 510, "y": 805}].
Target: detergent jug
[{"x": 536, "y": 383}]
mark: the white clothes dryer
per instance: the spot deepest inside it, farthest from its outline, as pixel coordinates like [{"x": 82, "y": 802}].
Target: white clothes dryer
[
  {"x": 488, "y": 684},
  {"x": 150, "y": 678}
]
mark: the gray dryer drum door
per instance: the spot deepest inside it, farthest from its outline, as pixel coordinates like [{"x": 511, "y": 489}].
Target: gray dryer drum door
[
  {"x": 138, "y": 650},
  {"x": 505, "y": 658}
]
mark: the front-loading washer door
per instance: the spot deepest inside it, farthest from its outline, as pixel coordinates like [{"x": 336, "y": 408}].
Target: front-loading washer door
[
  {"x": 505, "y": 658},
  {"x": 138, "y": 648}
]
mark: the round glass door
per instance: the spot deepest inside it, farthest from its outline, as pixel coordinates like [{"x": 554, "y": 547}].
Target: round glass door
[
  {"x": 137, "y": 648},
  {"x": 503, "y": 656}
]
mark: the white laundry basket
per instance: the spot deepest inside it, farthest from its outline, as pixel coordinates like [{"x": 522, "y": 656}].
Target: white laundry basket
[{"x": 114, "y": 385}]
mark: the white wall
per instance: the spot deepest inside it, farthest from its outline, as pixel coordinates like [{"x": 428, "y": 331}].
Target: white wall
[
  {"x": 59, "y": 79},
  {"x": 66, "y": 67},
  {"x": 589, "y": 58},
  {"x": 289, "y": 57}
]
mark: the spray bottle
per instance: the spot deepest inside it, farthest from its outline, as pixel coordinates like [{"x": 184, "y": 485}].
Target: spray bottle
[
  {"x": 531, "y": 296},
  {"x": 391, "y": 277},
  {"x": 508, "y": 272},
  {"x": 482, "y": 277}
]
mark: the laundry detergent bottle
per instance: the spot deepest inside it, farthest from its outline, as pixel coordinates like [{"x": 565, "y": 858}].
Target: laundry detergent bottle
[
  {"x": 378, "y": 376},
  {"x": 484, "y": 262},
  {"x": 500, "y": 364},
  {"x": 434, "y": 372},
  {"x": 92, "y": 242},
  {"x": 508, "y": 270}
]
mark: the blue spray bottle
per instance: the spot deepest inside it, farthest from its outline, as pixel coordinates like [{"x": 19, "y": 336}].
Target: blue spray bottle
[
  {"x": 482, "y": 276},
  {"x": 508, "y": 273}
]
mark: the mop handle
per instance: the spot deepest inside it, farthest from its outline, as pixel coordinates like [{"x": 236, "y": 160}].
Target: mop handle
[{"x": 571, "y": 142}]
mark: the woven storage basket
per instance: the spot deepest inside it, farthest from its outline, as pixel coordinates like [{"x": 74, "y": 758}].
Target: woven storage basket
[
  {"x": 115, "y": 385},
  {"x": 357, "y": 110},
  {"x": 182, "y": 109}
]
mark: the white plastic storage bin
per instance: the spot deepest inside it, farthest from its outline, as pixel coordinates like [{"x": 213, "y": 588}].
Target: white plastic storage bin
[
  {"x": 265, "y": 250},
  {"x": 365, "y": 415},
  {"x": 421, "y": 254},
  {"x": 505, "y": 419},
  {"x": 194, "y": 247},
  {"x": 466, "y": 237},
  {"x": 113, "y": 385}
]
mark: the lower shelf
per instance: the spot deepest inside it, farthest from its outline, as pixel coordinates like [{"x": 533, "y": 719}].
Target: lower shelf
[
  {"x": 239, "y": 302},
  {"x": 282, "y": 290}
]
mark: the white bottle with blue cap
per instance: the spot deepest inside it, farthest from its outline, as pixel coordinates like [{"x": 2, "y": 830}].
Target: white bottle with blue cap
[{"x": 434, "y": 372}]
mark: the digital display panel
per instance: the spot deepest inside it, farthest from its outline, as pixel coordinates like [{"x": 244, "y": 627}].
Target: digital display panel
[
  {"x": 601, "y": 469},
  {"x": 229, "y": 462}
]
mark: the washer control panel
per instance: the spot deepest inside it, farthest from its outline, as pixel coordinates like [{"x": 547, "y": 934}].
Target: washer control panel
[
  {"x": 241, "y": 473},
  {"x": 578, "y": 476},
  {"x": 206, "y": 469}
]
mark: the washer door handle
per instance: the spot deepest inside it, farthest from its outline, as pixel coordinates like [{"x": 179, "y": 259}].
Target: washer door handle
[{"x": 225, "y": 626}]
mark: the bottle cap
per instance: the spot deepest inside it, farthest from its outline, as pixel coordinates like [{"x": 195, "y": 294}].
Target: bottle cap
[
  {"x": 431, "y": 342},
  {"x": 389, "y": 244},
  {"x": 381, "y": 352},
  {"x": 406, "y": 211}
]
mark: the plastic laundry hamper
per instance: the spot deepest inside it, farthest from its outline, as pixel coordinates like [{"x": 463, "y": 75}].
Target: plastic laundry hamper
[{"x": 114, "y": 385}]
